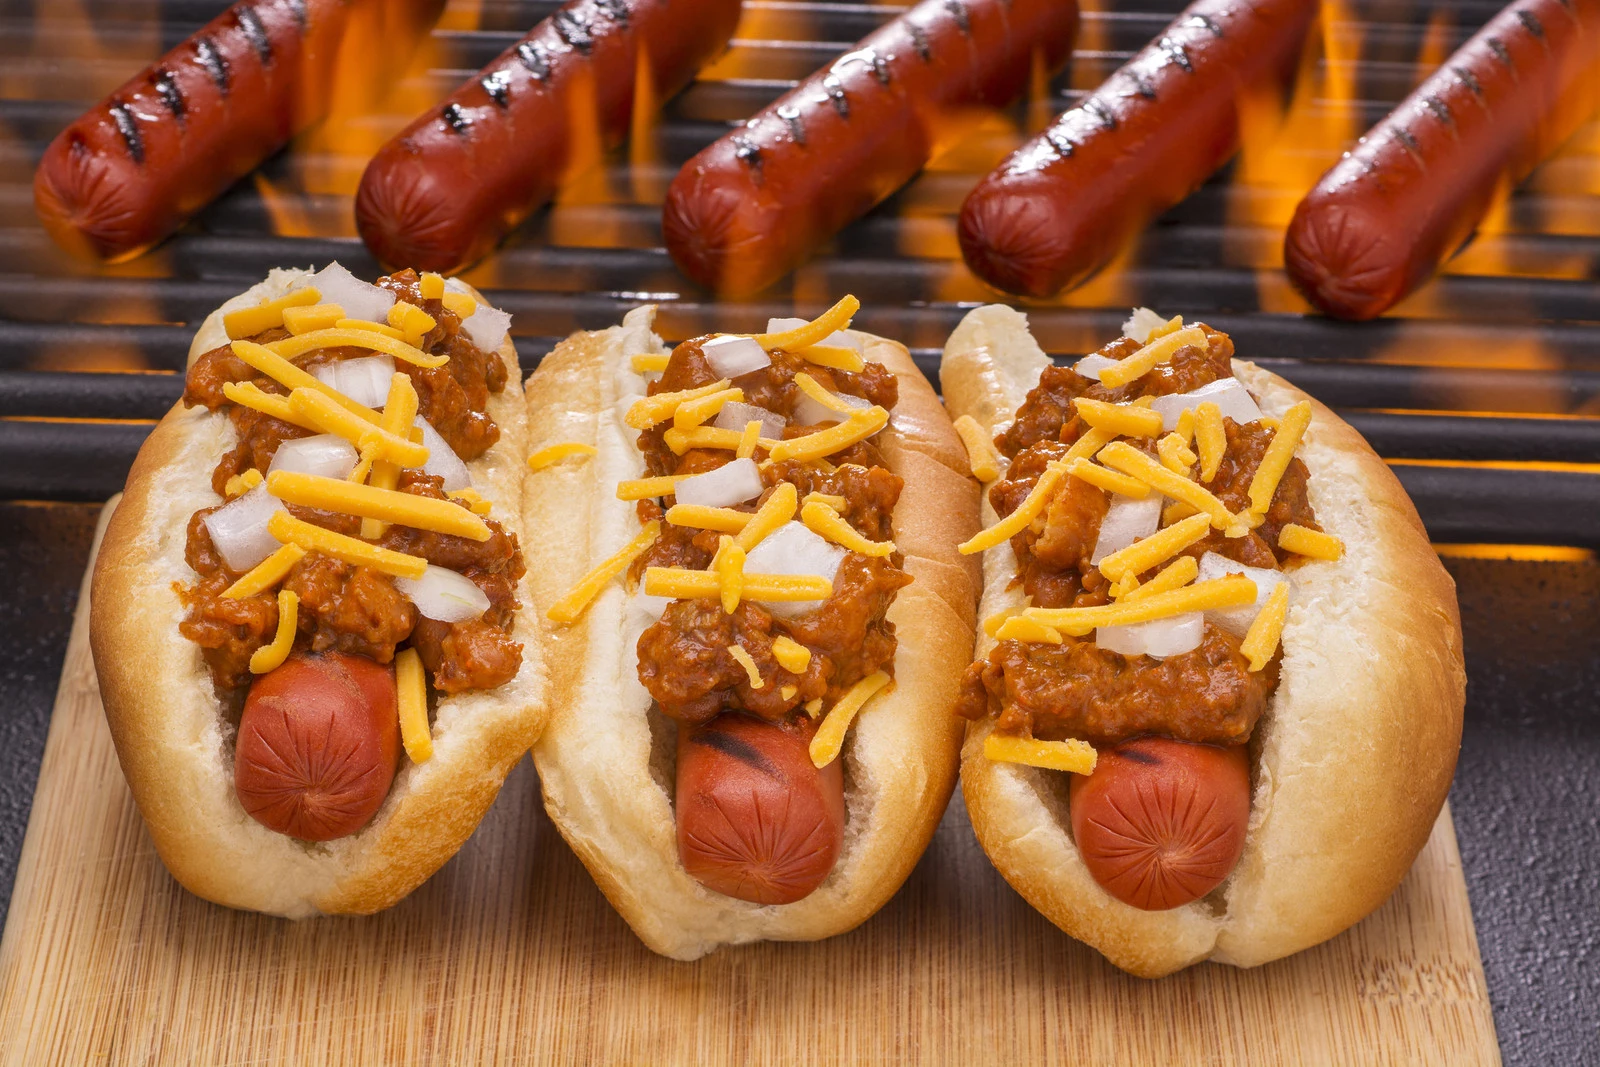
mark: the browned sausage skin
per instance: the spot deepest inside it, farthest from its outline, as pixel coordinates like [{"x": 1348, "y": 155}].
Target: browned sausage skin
[
  {"x": 1161, "y": 823},
  {"x": 755, "y": 204},
  {"x": 1062, "y": 206},
  {"x": 1412, "y": 191},
  {"x": 443, "y": 192},
  {"x": 756, "y": 819},
  {"x": 318, "y": 745},
  {"x": 132, "y": 169}
]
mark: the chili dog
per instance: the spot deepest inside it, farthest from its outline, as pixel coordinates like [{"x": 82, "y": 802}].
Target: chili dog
[
  {"x": 169, "y": 141},
  {"x": 459, "y": 178},
  {"x": 1210, "y": 605},
  {"x": 754, "y": 205},
  {"x": 758, "y": 622},
  {"x": 1411, "y": 192},
  {"x": 1062, "y": 206},
  {"x": 307, "y": 611}
]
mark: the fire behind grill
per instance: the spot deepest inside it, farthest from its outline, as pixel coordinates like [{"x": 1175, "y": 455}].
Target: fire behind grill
[{"x": 1482, "y": 390}]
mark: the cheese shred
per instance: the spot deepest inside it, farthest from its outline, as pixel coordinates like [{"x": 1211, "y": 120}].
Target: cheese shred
[
  {"x": 570, "y": 607},
  {"x": 1018, "y": 520},
  {"x": 1157, "y": 351},
  {"x": 1210, "y": 439},
  {"x": 791, "y": 655},
  {"x": 745, "y": 660},
  {"x": 822, "y": 520},
  {"x": 247, "y": 322},
  {"x": 1230, "y": 592},
  {"x": 550, "y": 455},
  {"x": 1313, "y": 544},
  {"x": 1285, "y": 439},
  {"x": 982, "y": 458},
  {"x": 835, "y": 318},
  {"x": 1260, "y": 642},
  {"x": 271, "y": 657},
  {"x": 411, "y": 687},
  {"x": 1074, "y": 756},
  {"x": 829, "y": 738},
  {"x": 266, "y": 574}
]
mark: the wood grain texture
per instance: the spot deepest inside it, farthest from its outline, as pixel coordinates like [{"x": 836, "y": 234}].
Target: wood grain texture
[{"x": 510, "y": 955}]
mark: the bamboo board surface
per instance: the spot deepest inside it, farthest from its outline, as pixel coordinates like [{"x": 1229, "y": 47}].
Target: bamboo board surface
[{"x": 510, "y": 955}]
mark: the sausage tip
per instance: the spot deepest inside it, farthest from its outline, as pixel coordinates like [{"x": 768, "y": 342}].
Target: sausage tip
[
  {"x": 1011, "y": 238},
  {"x": 1341, "y": 262}
]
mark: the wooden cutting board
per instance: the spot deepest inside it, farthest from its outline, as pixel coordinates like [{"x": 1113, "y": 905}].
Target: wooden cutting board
[{"x": 510, "y": 955}]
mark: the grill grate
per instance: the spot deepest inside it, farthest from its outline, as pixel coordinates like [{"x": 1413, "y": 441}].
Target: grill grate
[{"x": 1483, "y": 390}]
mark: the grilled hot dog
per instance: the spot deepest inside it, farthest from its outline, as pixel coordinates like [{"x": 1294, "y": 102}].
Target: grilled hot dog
[
  {"x": 1061, "y": 206},
  {"x": 754, "y": 205},
  {"x": 457, "y": 179},
  {"x": 1394, "y": 207}
]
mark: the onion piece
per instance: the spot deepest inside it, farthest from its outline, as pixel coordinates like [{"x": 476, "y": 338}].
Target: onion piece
[
  {"x": 1127, "y": 520},
  {"x": 731, "y": 355},
  {"x": 442, "y": 460},
  {"x": 1091, "y": 366},
  {"x": 444, "y": 595},
  {"x": 364, "y": 380},
  {"x": 734, "y": 416},
  {"x": 836, "y": 339},
  {"x": 1237, "y": 620},
  {"x": 360, "y": 300},
  {"x": 1229, "y": 394},
  {"x": 647, "y": 606},
  {"x": 1141, "y": 323},
  {"x": 326, "y": 454},
  {"x": 1157, "y": 638},
  {"x": 486, "y": 327},
  {"x": 239, "y": 529},
  {"x": 730, "y": 484},
  {"x": 793, "y": 549},
  {"x": 808, "y": 412}
]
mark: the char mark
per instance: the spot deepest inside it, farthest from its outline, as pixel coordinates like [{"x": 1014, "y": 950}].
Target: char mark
[
  {"x": 1531, "y": 24},
  {"x": 616, "y": 9},
  {"x": 1206, "y": 22},
  {"x": 747, "y": 152},
  {"x": 205, "y": 50},
  {"x": 958, "y": 11},
  {"x": 1502, "y": 53},
  {"x": 573, "y": 30},
  {"x": 1403, "y": 135},
  {"x": 736, "y": 748},
  {"x": 1142, "y": 85},
  {"x": 128, "y": 127},
  {"x": 1176, "y": 53},
  {"x": 250, "y": 23},
  {"x": 1101, "y": 112},
  {"x": 498, "y": 86},
  {"x": 533, "y": 58},
  {"x": 1134, "y": 754},
  {"x": 1060, "y": 142},
  {"x": 456, "y": 119},
  {"x": 297, "y": 8},
  {"x": 919, "y": 41},
  {"x": 791, "y": 117},
  {"x": 835, "y": 91},
  {"x": 1470, "y": 80},
  {"x": 172, "y": 96},
  {"x": 880, "y": 67},
  {"x": 1441, "y": 110}
]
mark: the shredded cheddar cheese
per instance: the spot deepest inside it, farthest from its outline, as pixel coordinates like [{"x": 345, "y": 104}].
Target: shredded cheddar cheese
[
  {"x": 791, "y": 655},
  {"x": 240, "y": 484},
  {"x": 1179, "y": 573},
  {"x": 682, "y": 584},
  {"x": 324, "y": 413},
  {"x": 1210, "y": 439},
  {"x": 787, "y": 692},
  {"x": 352, "y": 550},
  {"x": 430, "y": 286},
  {"x": 247, "y": 395},
  {"x": 777, "y": 509},
  {"x": 550, "y": 455},
  {"x": 653, "y": 410},
  {"x": 814, "y": 389},
  {"x": 1157, "y": 351},
  {"x": 680, "y": 441},
  {"x": 1092, "y": 441},
  {"x": 1175, "y": 454},
  {"x": 992, "y": 624},
  {"x": 1109, "y": 480},
  {"x": 833, "y": 357},
  {"x": 1074, "y": 756},
  {"x": 292, "y": 377},
  {"x": 692, "y": 413},
  {"x": 412, "y": 322},
  {"x": 1185, "y": 428},
  {"x": 371, "y": 327},
  {"x": 1177, "y": 511},
  {"x": 399, "y": 415},
  {"x": 411, "y": 689},
  {"x": 266, "y": 574},
  {"x": 1260, "y": 642},
  {"x": 749, "y": 438},
  {"x": 1154, "y": 550},
  {"x": 1172, "y": 325},
  {"x": 824, "y": 521},
  {"x": 730, "y": 575},
  {"x": 1022, "y": 628},
  {"x": 271, "y": 657},
  {"x": 745, "y": 660},
  {"x": 570, "y": 607},
  {"x": 370, "y": 502},
  {"x": 701, "y": 517},
  {"x": 832, "y": 500},
  {"x": 1018, "y": 520},
  {"x": 1129, "y": 460},
  {"x": 1229, "y": 592},
  {"x": 299, "y": 345},
  {"x": 982, "y": 459},
  {"x": 1121, "y": 420},
  {"x": 835, "y": 318},
  {"x": 649, "y": 362},
  {"x": 315, "y": 317},
  {"x": 247, "y": 322},
  {"x": 814, "y": 707},
  {"x": 1285, "y": 439},
  {"x": 473, "y": 499},
  {"x": 1308, "y": 542},
  {"x": 829, "y": 738},
  {"x": 858, "y": 427},
  {"x": 461, "y": 304}
]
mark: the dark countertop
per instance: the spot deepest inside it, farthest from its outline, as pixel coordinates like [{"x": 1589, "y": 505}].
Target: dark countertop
[{"x": 1526, "y": 797}]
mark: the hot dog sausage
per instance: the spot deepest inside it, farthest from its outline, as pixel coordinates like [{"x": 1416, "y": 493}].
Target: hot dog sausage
[
  {"x": 455, "y": 181},
  {"x": 753, "y": 205},
  {"x": 1161, "y": 823},
  {"x": 318, "y": 745},
  {"x": 756, "y": 819},
  {"x": 130, "y": 171},
  {"x": 1393, "y": 208},
  {"x": 1062, "y": 206}
]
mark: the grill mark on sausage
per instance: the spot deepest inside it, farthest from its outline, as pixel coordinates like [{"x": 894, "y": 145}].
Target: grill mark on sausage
[
  {"x": 128, "y": 127},
  {"x": 1470, "y": 80},
  {"x": 167, "y": 88},
  {"x": 958, "y": 11},
  {"x": 737, "y": 748},
  {"x": 211, "y": 59},
  {"x": 616, "y": 9},
  {"x": 880, "y": 67},
  {"x": 573, "y": 30},
  {"x": 791, "y": 117},
  {"x": 1403, "y": 135},
  {"x": 498, "y": 85},
  {"x": 1136, "y": 755},
  {"x": 1503, "y": 54},
  {"x": 919, "y": 41},
  {"x": 835, "y": 90},
  {"x": 1531, "y": 23},
  {"x": 747, "y": 152},
  {"x": 456, "y": 119},
  {"x": 1441, "y": 111},
  {"x": 250, "y": 23},
  {"x": 1060, "y": 142},
  {"x": 1205, "y": 21},
  {"x": 297, "y": 8},
  {"x": 533, "y": 59},
  {"x": 1142, "y": 85},
  {"x": 1101, "y": 112},
  {"x": 1175, "y": 51}
]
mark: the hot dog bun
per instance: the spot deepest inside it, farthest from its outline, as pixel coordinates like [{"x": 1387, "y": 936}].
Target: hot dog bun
[
  {"x": 606, "y": 764},
  {"x": 175, "y": 744},
  {"x": 1352, "y": 759}
]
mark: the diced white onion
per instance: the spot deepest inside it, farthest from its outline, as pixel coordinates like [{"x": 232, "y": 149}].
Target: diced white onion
[
  {"x": 1229, "y": 394},
  {"x": 731, "y": 355},
  {"x": 1157, "y": 638},
  {"x": 442, "y": 460},
  {"x": 836, "y": 339},
  {"x": 793, "y": 549},
  {"x": 1127, "y": 520},
  {"x": 326, "y": 454},
  {"x": 730, "y": 484},
  {"x": 239, "y": 529},
  {"x": 809, "y": 412},
  {"x": 360, "y": 300},
  {"x": 735, "y": 416},
  {"x": 1237, "y": 620},
  {"x": 1140, "y": 323},
  {"x": 364, "y": 380},
  {"x": 649, "y": 607},
  {"x": 1091, "y": 366},
  {"x": 486, "y": 327},
  {"x": 444, "y": 595}
]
